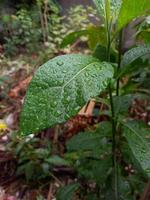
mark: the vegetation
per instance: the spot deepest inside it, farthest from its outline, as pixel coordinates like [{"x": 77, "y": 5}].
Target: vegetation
[{"x": 111, "y": 159}]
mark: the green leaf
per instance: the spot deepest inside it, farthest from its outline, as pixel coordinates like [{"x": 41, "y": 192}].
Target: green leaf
[
  {"x": 131, "y": 10},
  {"x": 60, "y": 88},
  {"x": 122, "y": 104},
  {"x": 96, "y": 35},
  {"x": 137, "y": 135},
  {"x": 95, "y": 170},
  {"x": 66, "y": 192},
  {"x": 84, "y": 141},
  {"x": 90, "y": 140},
  {"x": 134, "y": 54},
  {"x": 100, "y": 52},
  {"x": 56, "y": 160},
  {"x": 72, "y": 37},
  {"x": 111, "y": 7}
]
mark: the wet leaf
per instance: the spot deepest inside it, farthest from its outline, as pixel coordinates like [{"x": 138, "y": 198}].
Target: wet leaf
[
  {"x": 136, "y": 135},
  {"x": 60, "y": 88}
]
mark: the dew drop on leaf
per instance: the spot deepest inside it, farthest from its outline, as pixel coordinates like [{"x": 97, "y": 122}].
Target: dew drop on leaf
[{"x": 60, "y": 63}]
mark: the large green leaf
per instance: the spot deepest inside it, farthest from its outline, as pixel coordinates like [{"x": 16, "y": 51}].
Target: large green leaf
[
  {"x": 131, "y": 10},
  {"x": 60, "y": 88},
  {"x": 66, "y": 192},
  {"x": 135, "y": 53},
  {"x": 137, "y": 137}
]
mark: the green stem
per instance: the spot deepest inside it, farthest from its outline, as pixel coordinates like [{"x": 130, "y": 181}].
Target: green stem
[
  {"x": 119, "y": 62},
  {"x": 114, "y": 146}
]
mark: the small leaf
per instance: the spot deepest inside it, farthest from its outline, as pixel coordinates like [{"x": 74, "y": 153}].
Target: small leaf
[
  {"x": 95, "y": 170},
  {"x": 111, "y": 7},
  {"x": 56, "y": 160},
  {"x": 41, "y": 153},
  {"x": 122, "y": 104},
  {"x": 134, "y": 54},
  {"x": 90, "y": 140},
  {"x": 66, "y": 192},
  {"x": 100, "y": 52},
  {"x": 131, "y": 10},
  {"x": 96, "y": 35},
  {"x": 60, "y": 88},
  {"x": 72, "y": 37},
  {"x": 136, "y": 135}
]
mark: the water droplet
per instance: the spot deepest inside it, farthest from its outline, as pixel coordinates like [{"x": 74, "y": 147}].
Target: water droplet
[
  {"x": 143, "y": 150},
  {"x": 68, "y": 98},
  {"x": 147, "y": 170},
  {"x": 60, "y": 63},
  {"x": 55, "y": 103}
]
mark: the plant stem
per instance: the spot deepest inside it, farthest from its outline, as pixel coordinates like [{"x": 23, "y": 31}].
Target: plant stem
[
  {"x": 119, "y": 62},
  {"x": 114, "y": 146}
]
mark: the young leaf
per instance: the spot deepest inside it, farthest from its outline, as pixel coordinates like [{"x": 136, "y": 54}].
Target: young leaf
[
  {"x": 66, "y": 192},
  {"x": 56, "y": 160},
  {"x": 96, "y": 35},
  {"x": 131, "y": 10},
  {"x": 100, "y": 4},
  {"x": 110, "y": 8},
  {"x": 134, "y": 54},
  {"x": 136, "y": 136},
  {"x": 60, "y": 88},
  {"x": 72, "y": 37}
]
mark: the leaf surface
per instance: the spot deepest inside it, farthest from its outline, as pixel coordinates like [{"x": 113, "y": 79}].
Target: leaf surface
[
  {"x": 137, "y": 137},
  {"x": 131, "y": 10},
  {"x": 111, "y": 7},
  {"x": 66, "y": 192},
  {"x": 72, "y": 37},
  {"x": 135, "y": 53},
  {"x": 60, "y": 88}
]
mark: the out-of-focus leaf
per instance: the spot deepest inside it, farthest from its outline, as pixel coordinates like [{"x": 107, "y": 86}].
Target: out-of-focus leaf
[
  {"x": 122, "y": 104},
  {"x": 67, "y": 192},
  {"x": 144, "y": 36},
  {"x": 96, "y": 35},
  {"x": 56, "y": 160},
  {"x": 95, "y": 170},
  {"x": 110, "y": 8},
  {"x": 100, "y": 52},
  {"x": 90, "y": 140},
  {"x": 72, "y": 37},
  {"x": 138, "y": 140},
  {"x": 131, "y": 10}
]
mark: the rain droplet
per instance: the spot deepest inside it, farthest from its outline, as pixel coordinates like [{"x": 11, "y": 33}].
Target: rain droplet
[
  {"x": 60, "y": 63},
  {"x": 55, "y": 103},
  {"x": 68, "y": 98}
]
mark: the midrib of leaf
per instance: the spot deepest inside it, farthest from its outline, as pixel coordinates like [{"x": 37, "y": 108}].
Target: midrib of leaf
[{"x": 77, "y": 74}]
